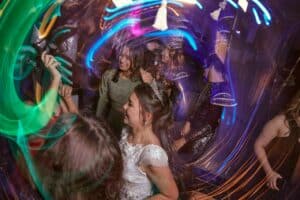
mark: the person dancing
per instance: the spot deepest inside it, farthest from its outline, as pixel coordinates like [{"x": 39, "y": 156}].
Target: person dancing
[{"x": 145, "y": 160}]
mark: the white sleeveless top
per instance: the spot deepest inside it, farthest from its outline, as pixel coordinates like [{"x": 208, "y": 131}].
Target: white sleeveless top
[{"x": 137, "y": 185}]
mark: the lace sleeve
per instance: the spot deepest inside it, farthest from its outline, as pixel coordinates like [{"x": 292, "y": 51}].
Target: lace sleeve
[
  {"x": 154, "y": 155},
  {"x": 124, "y": 134}
]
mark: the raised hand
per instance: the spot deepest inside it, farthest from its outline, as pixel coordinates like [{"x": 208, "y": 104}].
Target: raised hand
[
  {"x": 51, "y": 64},
  {"x": 65, "y": 91}
]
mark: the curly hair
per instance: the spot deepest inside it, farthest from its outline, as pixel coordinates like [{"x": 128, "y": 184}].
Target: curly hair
[
  {"x": 85, "y": 163},
  {"x": 292, "y": 111}
]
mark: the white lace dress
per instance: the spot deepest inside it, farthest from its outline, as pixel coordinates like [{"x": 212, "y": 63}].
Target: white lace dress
[{"x": 137, "y": 185}]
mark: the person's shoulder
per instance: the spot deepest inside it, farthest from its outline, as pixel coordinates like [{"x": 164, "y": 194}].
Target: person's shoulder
[
  {"x": 154, "y": 150},
  {"x": 108, "y": 75},
  {"x": 154, "y": 155},
  {"x": 277, "y": 125},
  {"x": 109, "y": 72},
  {"x": 278, "y": 119}
]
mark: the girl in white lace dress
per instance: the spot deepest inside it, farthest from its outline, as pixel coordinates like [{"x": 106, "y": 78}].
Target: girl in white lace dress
[{"x": 145, "y": 161}]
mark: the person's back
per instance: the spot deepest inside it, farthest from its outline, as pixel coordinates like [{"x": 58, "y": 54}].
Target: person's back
[{"x": 85, "y": 163}]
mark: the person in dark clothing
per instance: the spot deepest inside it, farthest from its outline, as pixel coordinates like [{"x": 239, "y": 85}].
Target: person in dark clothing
[
  {"x": 199, "y": 130},
  {"x": 12, "y": 184},
  {"x": 84, "y": 162},
  {"x": 278, "y": 150}
]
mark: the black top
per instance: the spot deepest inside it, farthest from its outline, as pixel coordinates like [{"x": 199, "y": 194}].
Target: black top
[
  {"x": 12, "y": 183},
  {"x": 284, "y": 151}
]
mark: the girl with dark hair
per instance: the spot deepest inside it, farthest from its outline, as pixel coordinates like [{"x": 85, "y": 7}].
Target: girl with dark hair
[
  {"x": 145, "y": 161},
  {"x": 149, "y": 69},
  {"x": 78, "y": 159},
  {"x": 85, "y": 163},
  {"x": 278, "y": 150},
  {"x": 149, "y": 72},
  {"x": 116, "y": 86}
]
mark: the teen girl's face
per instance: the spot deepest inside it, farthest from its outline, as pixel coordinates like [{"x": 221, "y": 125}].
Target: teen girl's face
[
  {"x": 146, "y": 76},
  {"x": 132, "y": 114},
  {"x": 124, "y": 59},
  {"x": 165, "y": 56}
]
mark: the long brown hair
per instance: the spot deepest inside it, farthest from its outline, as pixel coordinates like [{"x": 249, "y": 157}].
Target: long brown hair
[
  {"x": 136, "y": 55},
  {"x": 160, "y": 107},
  {"x": 150, "y": 63},
  {"x": 292, "y": 111},
  {"x": 85, "y": 163}
]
